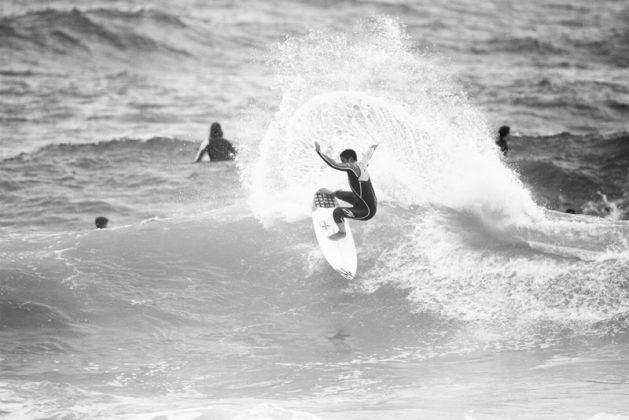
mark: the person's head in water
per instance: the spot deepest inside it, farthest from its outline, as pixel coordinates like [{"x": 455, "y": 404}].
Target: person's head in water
[
  {"x": 348, "y": 155},
  {"x": 504, "y": 131},
  {"x": 216, "y": 132},
  {"x": 101, "y": 222}
]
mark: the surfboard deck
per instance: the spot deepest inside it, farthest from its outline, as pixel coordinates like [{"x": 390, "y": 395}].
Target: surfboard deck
[{"x": 341, "y": 253}]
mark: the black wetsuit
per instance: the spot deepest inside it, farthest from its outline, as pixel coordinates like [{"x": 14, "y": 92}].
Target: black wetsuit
[
  {"x": 219, "y": 149},
  {"x": 362, "y": 197},
  {"x": 502, "y": 143}
]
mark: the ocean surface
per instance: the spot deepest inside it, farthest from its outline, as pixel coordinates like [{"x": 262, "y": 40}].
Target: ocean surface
[{"x": 478, "y": 297}]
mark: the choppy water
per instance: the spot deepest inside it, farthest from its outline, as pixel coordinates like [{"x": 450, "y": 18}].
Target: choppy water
[{"x": 477, "y": 296}]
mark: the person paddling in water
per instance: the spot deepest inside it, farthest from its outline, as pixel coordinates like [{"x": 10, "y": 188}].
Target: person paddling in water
[
  {"x": 216, "y": 147},
  {"x": 362, "y": 196}
]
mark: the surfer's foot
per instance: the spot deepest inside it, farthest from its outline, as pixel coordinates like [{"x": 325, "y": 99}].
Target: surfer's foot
[{"x": 336, "y": 236}]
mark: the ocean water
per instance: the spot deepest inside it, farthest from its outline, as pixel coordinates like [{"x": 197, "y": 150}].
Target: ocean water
[{"x": 477, "y": 296}]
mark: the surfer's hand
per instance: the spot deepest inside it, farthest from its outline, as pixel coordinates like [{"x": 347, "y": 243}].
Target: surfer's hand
[{"x": 317, "y": 147}]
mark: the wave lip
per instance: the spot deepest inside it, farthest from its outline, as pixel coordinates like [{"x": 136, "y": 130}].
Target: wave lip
[{"x": 369, "y": 86}]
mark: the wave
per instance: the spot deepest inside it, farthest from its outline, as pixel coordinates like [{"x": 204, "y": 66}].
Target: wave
[
  {"x": 365, "y": 87},
  {"x": 460, "y": 248},
  {"x": 35, "y": 299},
  {"x": 76, "y": 34},
  {"x": 522, "y": 45},
  {"x": 460, "y": 230},
  {"x": 123, "y": 147},
  {"x": 455, "y": 275},
  {"x": 611, "y": 49},
  {"x": 434, "y": 271},
  {"x": 29, "y": 314}
]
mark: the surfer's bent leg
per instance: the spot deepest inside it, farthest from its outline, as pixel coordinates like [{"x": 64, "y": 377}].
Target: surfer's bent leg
[
  {"x": 346, "y": 196},
  {"x": 341, "y": 213},
  {"x": 360, "y": 210}
]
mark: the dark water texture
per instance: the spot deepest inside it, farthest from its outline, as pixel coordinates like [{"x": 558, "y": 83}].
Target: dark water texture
[
  {"x": 543, "y": 70},
  {"x": 567, "y": 171}
]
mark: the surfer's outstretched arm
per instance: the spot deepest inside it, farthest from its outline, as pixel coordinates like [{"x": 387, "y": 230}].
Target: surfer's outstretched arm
[
  {"x": 340, "y": 166},
  {"x": 367, "y": 156}
]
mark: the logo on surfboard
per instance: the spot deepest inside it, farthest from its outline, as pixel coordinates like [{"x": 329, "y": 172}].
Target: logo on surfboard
[{"x": 345, "y": 273}]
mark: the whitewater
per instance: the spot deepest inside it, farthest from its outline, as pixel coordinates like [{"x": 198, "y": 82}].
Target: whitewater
[{"x": 477, "y": 296}]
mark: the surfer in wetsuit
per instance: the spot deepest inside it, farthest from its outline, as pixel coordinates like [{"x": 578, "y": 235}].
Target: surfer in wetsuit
[
  {"x": 362, "y": 196},
  {"x": 503, "y": 136},
  {"x": 216, "y": 147},
  {"x": 101, "y": 222}
]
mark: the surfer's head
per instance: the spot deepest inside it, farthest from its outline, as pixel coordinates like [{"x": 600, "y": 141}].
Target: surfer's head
[
  {"x": 504, "y": 131},
  {"x": 216, "y": 132},
  {"x": 348, "y": 155},
  {"x": 101, "y": 222}
]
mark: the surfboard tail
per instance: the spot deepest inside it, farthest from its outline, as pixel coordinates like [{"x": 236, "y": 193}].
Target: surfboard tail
[{"x": 345, "y": 273}]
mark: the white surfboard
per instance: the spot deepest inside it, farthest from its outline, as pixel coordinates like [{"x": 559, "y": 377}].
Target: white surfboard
[
  {"x": 206, "y": 157},
  {"x": 341, "y": 253}
]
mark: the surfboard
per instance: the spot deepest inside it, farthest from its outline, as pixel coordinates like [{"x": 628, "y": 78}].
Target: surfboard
[
  {"x": 206, "y": 157},
  {"x": 341, "y": 253}
]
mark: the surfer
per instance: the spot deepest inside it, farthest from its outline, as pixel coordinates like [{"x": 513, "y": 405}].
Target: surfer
[
  {"x": 101, "y": 222},
  {"x": 216, "y": 147},
  {"x": 503, "y": 135},
  {"x": 362, "y": 196}
]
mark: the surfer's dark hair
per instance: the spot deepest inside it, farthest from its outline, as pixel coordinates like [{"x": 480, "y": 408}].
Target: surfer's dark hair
[
  {"x": 349, "y": 154},
  {"x": 504, "y": 130},
  {"x": 216, "y": 132},
  {"x": 101, "y": 222}
]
